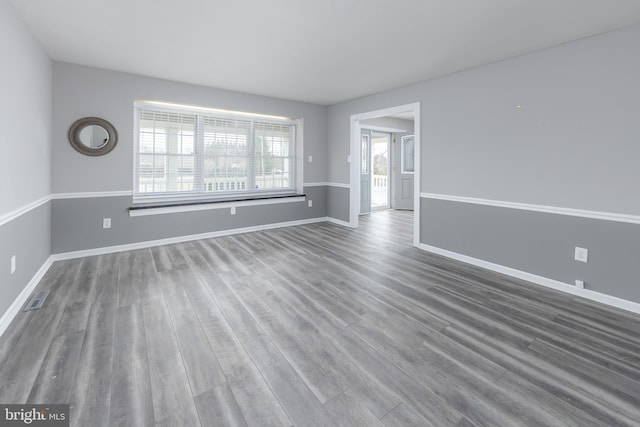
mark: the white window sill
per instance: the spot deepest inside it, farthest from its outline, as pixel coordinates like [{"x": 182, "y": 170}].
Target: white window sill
[{"x": 203, "y": 206}]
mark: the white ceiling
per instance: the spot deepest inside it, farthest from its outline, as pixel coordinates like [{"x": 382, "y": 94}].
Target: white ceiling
[{"x": 323, "y": 51}]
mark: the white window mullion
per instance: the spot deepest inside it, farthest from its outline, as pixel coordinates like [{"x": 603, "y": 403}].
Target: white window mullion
[
  {"x": 136, "y": 150},
  {"x": 198, "y": 163},
  {"x": 251, "y": 157}
]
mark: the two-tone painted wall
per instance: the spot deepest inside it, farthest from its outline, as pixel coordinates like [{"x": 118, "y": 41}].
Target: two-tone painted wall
[
  {"x": 88, "y": 189},
  {"x": 525, "y": 159},
  {"x": 521, "y": 161},
  {"x": 25, "y": 156},
  {"x": 53, "y": 199}
]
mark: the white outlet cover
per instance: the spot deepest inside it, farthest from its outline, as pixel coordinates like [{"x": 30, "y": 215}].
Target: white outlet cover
[
  {"x": 310, "y": 203},
  {"x": 106, "y": 222},
  {"x": 581, "y": 254},
  {"x": 310, "y": 159},
  {"x": 233, "y": 210},
  {"x": 579, "y": 284},
  {"x": 13, "y": 264}
]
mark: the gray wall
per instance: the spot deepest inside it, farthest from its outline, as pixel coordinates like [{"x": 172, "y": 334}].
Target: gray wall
[
  {"x": 77, "y": 223},
  {"x": 574, "y": 143},
  {"x": 25, "y": 153},
  {"x": 25, "y": 114},
  {"x": 338, "y": 203},
  {"x": 28, "y": 237},
  {"x": 539, "y": 243},
  {"x": 80, "y": 91}
]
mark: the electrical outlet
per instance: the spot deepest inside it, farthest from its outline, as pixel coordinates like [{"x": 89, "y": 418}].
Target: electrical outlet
[
  {"x": 13, "y": 264},
  {"x": 348, "y": 159},
  {"x": 233, "y": 210},
  {"x": 310, "y": 159},
  {"x": 579, "y": 284},
  {"x": 581, "y": 254},
  {"x": 310, "y": 203},
  {"x": 106, "y": 222}
]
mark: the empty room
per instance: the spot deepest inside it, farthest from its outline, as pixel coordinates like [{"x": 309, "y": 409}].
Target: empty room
[{"x": 338, "y": 213}]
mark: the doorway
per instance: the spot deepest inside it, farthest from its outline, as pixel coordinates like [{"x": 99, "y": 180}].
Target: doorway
[
  {"x": 381, "y": 170},
  {"x": 361, "y": 167}
]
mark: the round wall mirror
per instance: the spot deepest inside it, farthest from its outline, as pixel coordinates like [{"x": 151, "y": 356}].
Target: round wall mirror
[{"x": 93, "y": 136}]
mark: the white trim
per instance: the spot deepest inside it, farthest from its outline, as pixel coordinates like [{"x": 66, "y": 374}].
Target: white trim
[
  {"x": 22, "y": 298},
  {"x": 354, "y": 175},
  {"x": 181, "y": 239},
  {"x": 382, "y": 128},
  {"x": 326, "y": 184},
  {"x": 10, "y": 216},
  {"x": 338, "y": 222},
  {"x": 210, "y": 206},
  {"x": 339, "y": 185},
  {"x": 543, "y": 281},
  {"x": 606, "y": 216},
  {"x": 91, "y": 194},
  {"x": 417, "y": 173},
  {"x": 299, "y": 166}
]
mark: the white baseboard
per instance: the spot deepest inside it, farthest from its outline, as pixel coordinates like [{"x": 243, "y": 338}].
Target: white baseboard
[
  {"x": 22, "y": 298},
  {"x": 180, "y": 239},
  {"x": 539, "y": 280},
  {"x": 339, "y": 222}
]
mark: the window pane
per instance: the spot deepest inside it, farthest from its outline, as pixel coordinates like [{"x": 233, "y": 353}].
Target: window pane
[
  {"x": 225, "y": 154},
  {"x": 226, "y": 170},
  {"x": 151, "y": 173},
  {"x": 172, "y": 138},
  {"x": 407, "y": 155},
  {"x": 273, "y": 158}
]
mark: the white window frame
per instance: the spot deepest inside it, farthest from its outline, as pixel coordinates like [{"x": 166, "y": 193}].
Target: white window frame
[{"x": 203, "y": 196}]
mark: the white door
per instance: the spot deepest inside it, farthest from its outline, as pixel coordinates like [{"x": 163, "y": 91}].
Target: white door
[
  {"x": 365, "y": 171},
  {"x": 404, "y": 167}
]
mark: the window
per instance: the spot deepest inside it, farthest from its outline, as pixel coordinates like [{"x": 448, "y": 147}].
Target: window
[
  {"x": 407, "y": 154},
  {"x": 192, "y": 153},
  {"x": 364, "y": 163}
]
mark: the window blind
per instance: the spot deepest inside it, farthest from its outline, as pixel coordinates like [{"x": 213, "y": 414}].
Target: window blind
[{"x": 182, "y": 154}]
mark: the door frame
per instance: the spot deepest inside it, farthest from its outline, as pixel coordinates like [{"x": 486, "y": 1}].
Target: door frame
[{"x": 355, "y": 126}]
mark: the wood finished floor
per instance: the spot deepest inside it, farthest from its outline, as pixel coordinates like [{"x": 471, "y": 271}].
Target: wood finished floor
[{"x": 317, "y": 325}]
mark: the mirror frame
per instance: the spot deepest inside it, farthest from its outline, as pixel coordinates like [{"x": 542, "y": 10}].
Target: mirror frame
[{"x": 79, "y": 125}]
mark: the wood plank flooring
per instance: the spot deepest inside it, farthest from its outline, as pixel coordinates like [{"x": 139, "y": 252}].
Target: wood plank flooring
[{"x": 317, "y": 325}]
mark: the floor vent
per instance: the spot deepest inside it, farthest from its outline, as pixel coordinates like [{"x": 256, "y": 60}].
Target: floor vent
[{"x": 36, "y": 301}]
